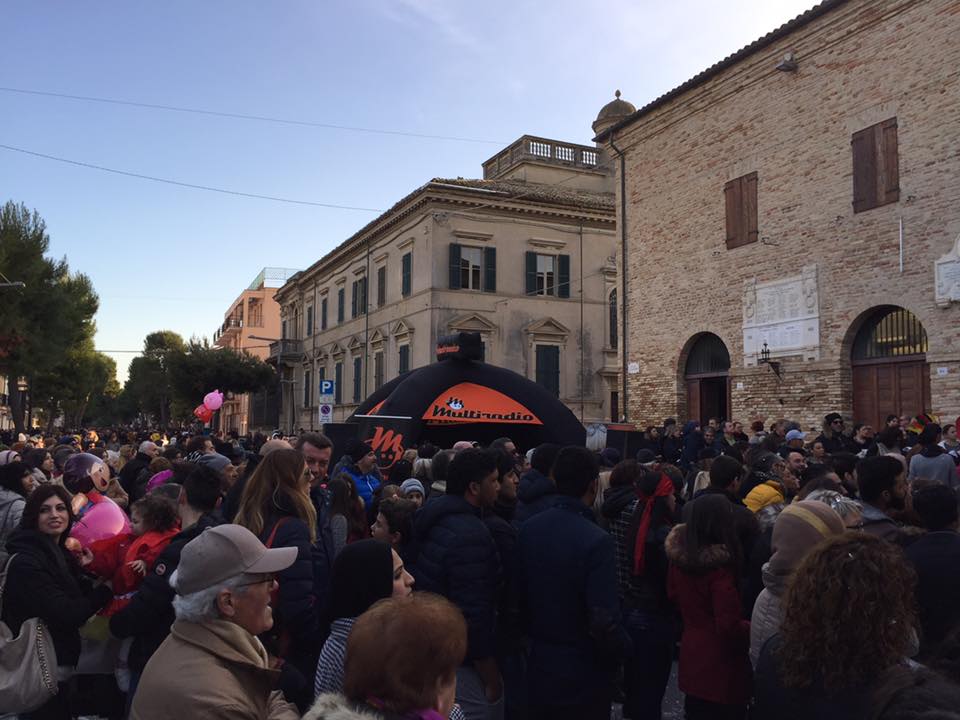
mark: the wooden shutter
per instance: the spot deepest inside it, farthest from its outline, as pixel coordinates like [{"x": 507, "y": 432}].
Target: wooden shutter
[
  {"x": 889, "y": 187},
  {"x": 748, "y": 196},
  {"x": 864, "y": 147},
  {"x": 490, "y": 269},
  {"x": 381, "y": 286},
  {"x": 353, "y": 299},
  {"x": 323, "y": 314},
  {"x": 363, "y": 295},
  {"x": 531, "y": 263},
  {"x": 732, "y": 202},
  {"x": 341, "y": 294},
  {"x": 406, "y": 273},
  {"x": 563, "y": 276},
  {"x": 454, "y": 266},
  {"x": 404, "y": 359}
]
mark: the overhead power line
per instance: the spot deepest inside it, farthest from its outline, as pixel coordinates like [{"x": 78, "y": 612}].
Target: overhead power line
[
  {"x": 245, "y": 116},
  {"x": 178, "y": 183}
]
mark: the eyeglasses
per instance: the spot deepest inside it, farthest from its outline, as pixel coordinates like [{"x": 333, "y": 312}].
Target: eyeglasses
[{"x": 268, "y": 579}]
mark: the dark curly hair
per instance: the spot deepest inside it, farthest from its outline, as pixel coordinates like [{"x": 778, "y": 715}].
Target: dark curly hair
[
  {"x": 157, "y": 512},
  {"x": 848, "y": 613}
]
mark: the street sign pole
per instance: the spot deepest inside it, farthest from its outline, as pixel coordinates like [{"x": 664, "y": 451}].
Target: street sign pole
[{"x": 326, "y": 404}]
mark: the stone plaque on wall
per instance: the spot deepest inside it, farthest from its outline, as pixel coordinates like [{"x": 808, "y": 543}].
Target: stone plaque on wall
[
  {"x": 784, "y": 314},
  {"x": 947, "y": 272}
]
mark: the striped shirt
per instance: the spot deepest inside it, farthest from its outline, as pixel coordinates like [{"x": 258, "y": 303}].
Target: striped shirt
[{"x": 330, "y": 667}]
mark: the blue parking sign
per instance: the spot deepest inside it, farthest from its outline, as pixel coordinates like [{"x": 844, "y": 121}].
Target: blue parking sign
[{"x": 326, "y": 387}]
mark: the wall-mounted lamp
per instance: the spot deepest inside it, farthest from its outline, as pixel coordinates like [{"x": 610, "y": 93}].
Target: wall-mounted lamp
[
  {"x": 764, "y": 359},
  {"x": 789, "y": 63}
]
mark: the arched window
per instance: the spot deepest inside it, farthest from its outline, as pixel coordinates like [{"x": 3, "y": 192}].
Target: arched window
[
  {"x": 890, "y": 333},
  {"x": 612, "y": 311},
  {"x": 707, "y": 356}
]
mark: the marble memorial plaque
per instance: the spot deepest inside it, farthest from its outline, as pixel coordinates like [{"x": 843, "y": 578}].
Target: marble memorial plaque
[
  {"x": 947, "y": 274},
  {"x": 784, "y": 314}
]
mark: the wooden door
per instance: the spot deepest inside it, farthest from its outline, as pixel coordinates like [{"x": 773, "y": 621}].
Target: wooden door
[
  {"x": 883, "y": 389},
  {"x": 693, "y": 399}
]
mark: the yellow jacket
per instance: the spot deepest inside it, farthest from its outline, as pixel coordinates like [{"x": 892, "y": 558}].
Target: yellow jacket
[{"x": 764, "y": 495}]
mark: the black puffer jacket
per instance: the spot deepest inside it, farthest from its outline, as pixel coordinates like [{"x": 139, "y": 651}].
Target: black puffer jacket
[
  {"x": 297, "y": 612},
  {"x": 149, "y": 615},
  {"x": 535, "y": 494},
  {"x": 457, "y": 558},
  {"x": 45, "y": 581}
]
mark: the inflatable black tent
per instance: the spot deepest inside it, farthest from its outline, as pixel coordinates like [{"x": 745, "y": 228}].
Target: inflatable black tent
[{"x": 459, "y": 397}]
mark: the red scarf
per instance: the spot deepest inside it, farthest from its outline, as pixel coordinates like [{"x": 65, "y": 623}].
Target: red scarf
[{"x": 664, "y": 489}]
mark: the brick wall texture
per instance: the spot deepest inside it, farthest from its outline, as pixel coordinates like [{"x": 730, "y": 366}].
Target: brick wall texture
[{"x": 859, "y": 64}]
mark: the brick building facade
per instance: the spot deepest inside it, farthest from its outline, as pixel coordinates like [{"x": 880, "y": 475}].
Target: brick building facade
[{"x": 800, "y": 193}]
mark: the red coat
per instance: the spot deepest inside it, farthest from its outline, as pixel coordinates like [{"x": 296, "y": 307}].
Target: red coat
[
  {"x": 111, "y": 558},
  {"x": 715, "y": 645}
]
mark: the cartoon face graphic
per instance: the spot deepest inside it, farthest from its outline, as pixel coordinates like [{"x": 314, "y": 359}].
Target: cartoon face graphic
[
  {"x": 100, "y": 477},
  {"x": 455, "y": 403}
]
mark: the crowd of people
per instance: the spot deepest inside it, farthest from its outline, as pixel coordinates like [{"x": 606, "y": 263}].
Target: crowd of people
[{"x": 787, "y": 574}]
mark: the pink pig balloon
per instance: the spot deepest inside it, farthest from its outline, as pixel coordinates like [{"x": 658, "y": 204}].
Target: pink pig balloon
[
  {"x": 213, "y": 400},
  {"x": 100, "y": 520}
]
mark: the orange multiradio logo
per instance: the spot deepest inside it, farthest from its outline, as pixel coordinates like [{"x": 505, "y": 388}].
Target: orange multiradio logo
[{"x": 468, "y": 402}]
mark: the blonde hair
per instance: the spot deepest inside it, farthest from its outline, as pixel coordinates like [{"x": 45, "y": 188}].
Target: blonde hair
[{"x": 278, "y": 476}]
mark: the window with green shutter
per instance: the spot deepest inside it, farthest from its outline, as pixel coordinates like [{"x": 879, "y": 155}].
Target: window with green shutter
[
  {"x": 404, "y": 365},
  {"x": 381, "y": 286},
  {"x": 406, "y": 274},
  {"x": 490, "y": 269},
  {"x": 338, "y": 383},
  {"x": 323, "y": 314},
  {"x": 341, "y": 301},
  {"x": 377, "y": 370},
  {"x": 357, "y": 378},
  {"x": 548, "y": 367},
  {"x": 547, "y": 275}
]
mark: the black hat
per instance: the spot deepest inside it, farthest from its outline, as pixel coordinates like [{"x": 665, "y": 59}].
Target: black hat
[
  {"x": 358, "y": 449},
  {"x": 645, "y": 456},
  {"x": 831, "y": 417}
]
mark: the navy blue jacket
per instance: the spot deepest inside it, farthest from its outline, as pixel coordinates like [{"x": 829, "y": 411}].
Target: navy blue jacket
[
  {"x": 149, "y": 615},
  {"x": 457, "y": 558},
  {"x": 936, "y": 556},
  {"x": 535, "y": 494},
  {"x": 571, "y": 609}
]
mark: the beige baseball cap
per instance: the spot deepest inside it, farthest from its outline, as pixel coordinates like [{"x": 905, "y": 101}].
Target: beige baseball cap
[{"x": 225, "y": 551}]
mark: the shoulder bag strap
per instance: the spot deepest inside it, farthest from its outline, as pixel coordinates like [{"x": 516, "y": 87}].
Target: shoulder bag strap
[{"x": 273, "y": 533}]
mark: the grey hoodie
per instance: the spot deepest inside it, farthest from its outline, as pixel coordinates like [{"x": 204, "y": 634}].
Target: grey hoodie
[{"x": 11, "y": 510}]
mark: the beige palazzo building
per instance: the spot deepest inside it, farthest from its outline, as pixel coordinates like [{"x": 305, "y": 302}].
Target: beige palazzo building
[{"x": 526, "y": 256}]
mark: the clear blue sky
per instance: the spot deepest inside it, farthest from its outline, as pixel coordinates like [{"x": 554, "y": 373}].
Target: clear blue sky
[{"x": 165, "y": 257}]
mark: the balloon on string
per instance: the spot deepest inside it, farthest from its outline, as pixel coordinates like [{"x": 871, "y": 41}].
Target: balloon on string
[
  {"x": 213, "y": 400},
  {"x": 203, "y": 414},
  {"x": 102, "y": 520}
]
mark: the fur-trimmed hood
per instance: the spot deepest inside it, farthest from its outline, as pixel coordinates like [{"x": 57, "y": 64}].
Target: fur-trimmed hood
[
  {"x": 709, "y": 557},
  {"x": 333, "y": 706}
]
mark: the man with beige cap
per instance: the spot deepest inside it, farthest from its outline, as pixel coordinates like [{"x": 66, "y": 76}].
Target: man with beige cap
[{"x": 212, "y": 665}]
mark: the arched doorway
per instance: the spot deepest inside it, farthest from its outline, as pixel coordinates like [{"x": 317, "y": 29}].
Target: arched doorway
[
  {"x": 890, "y": 371},
  {"x": 706, "y": 375}
]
